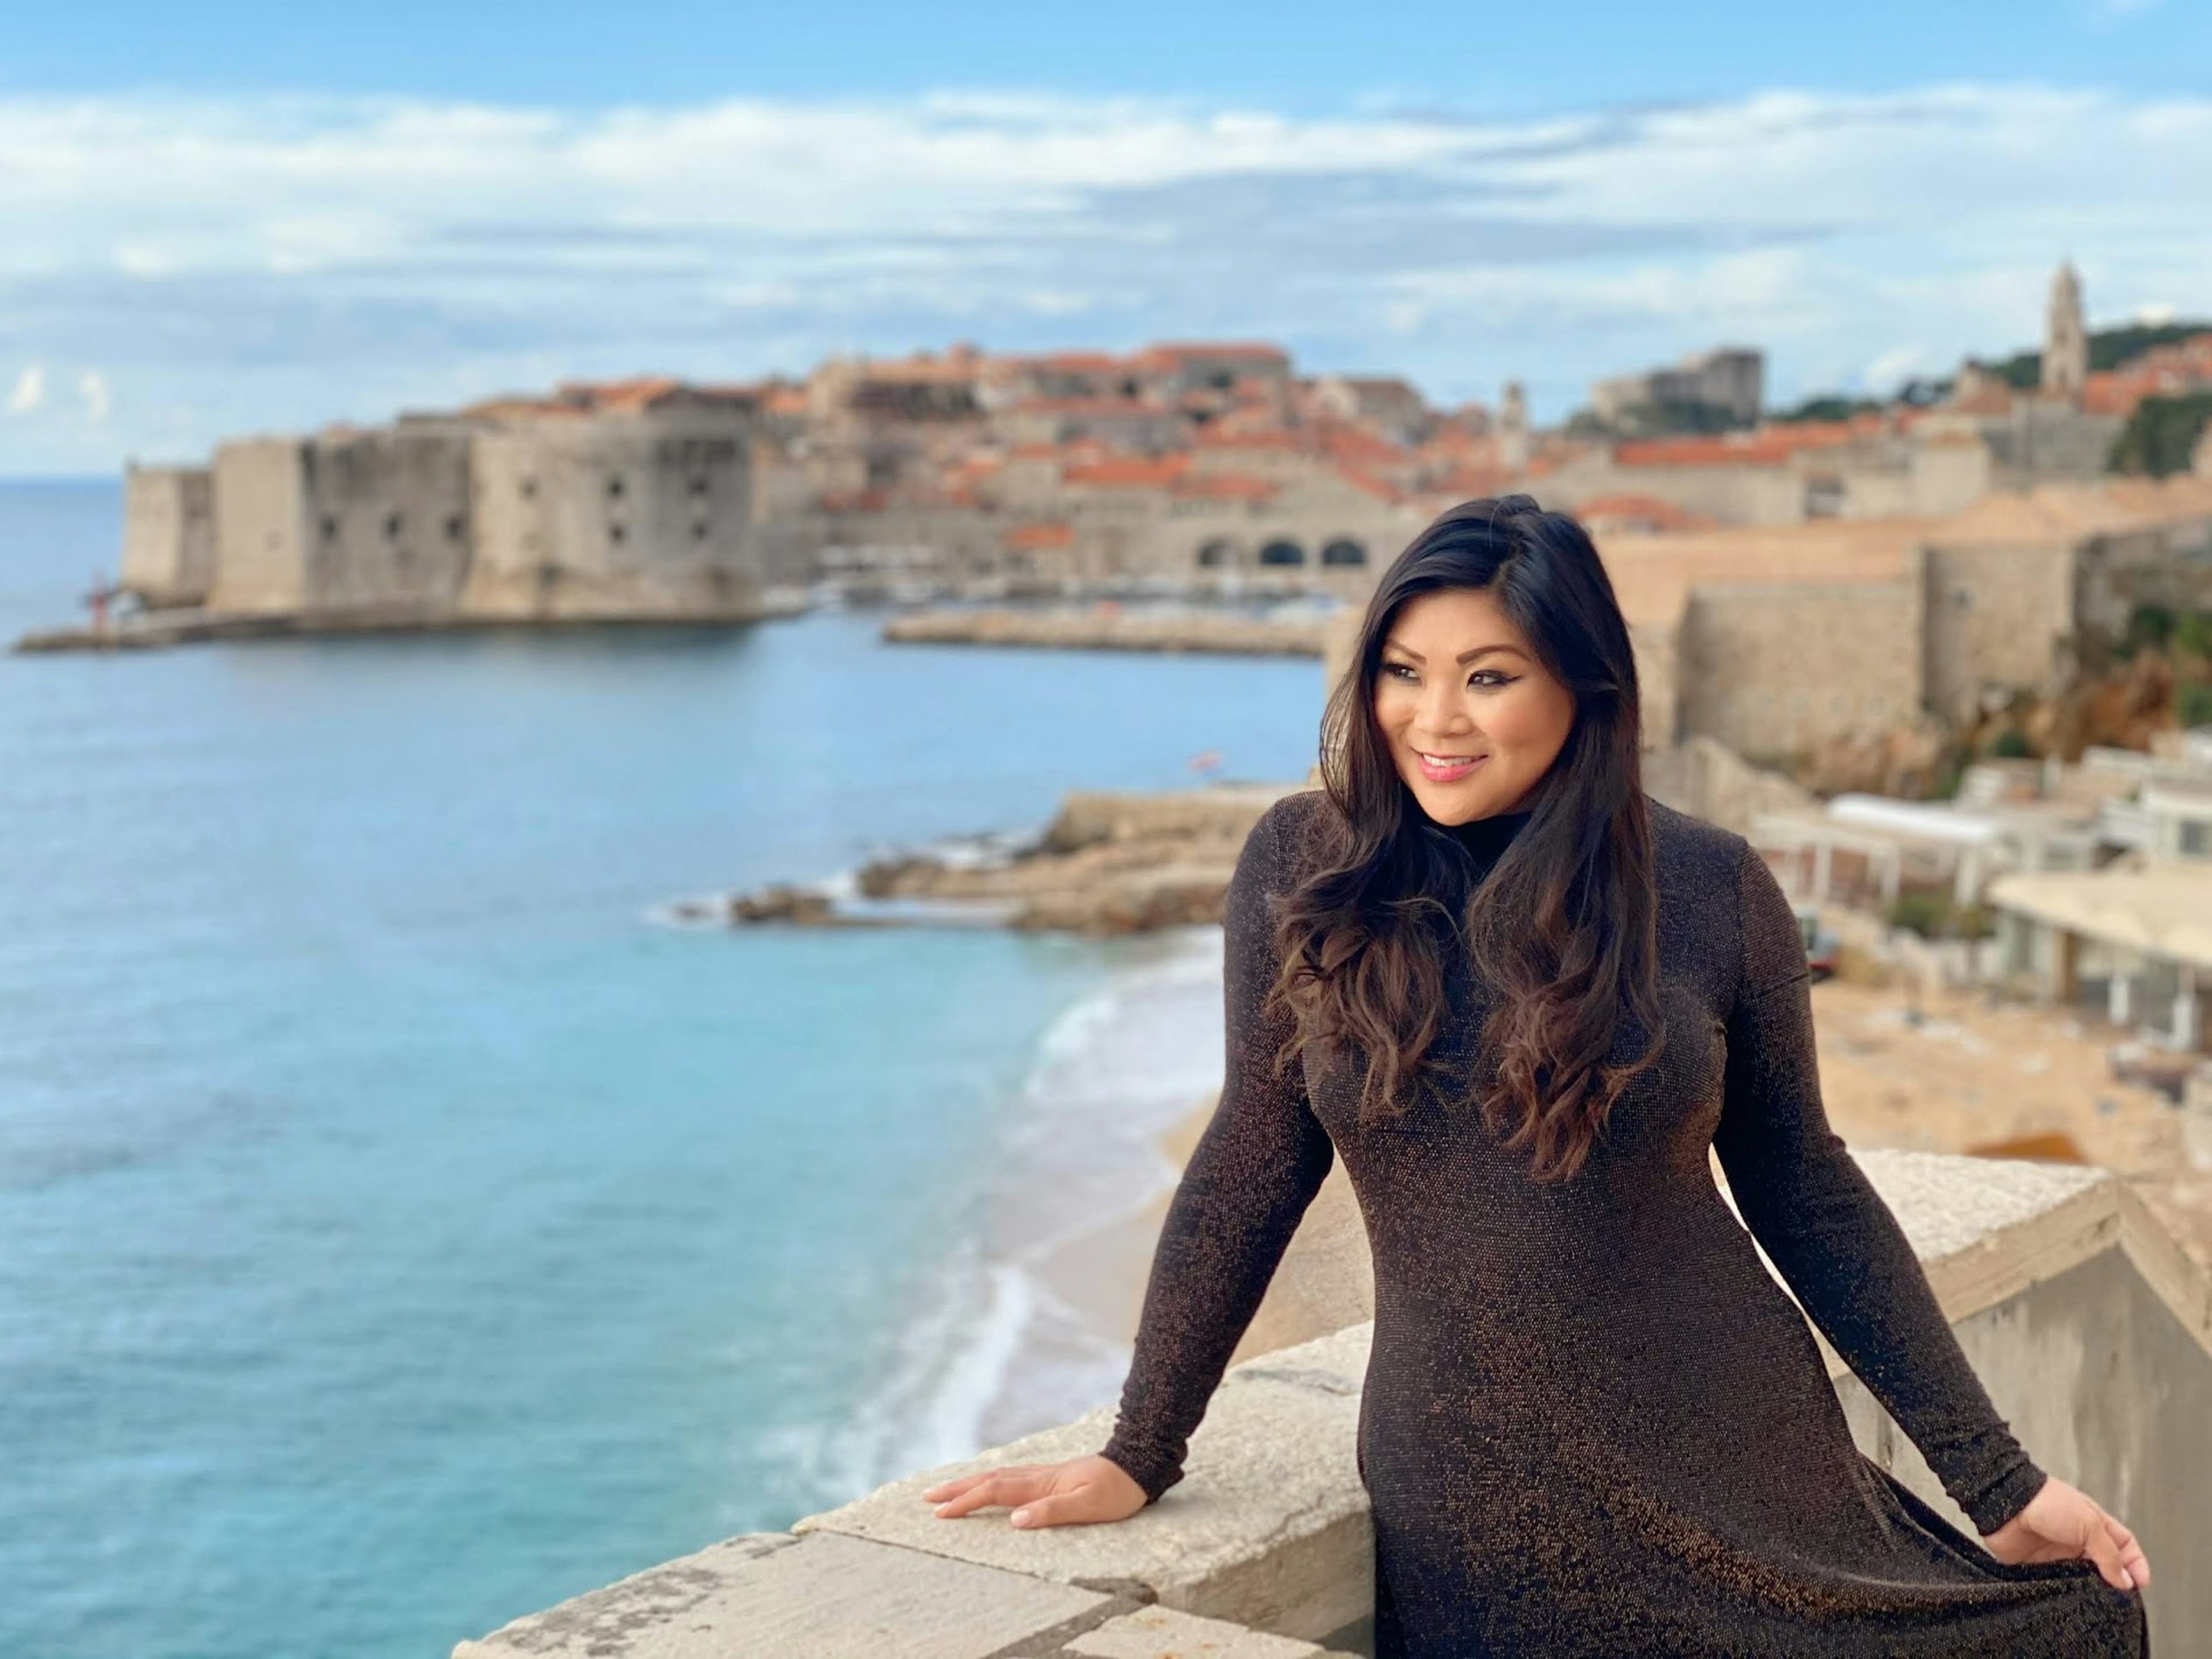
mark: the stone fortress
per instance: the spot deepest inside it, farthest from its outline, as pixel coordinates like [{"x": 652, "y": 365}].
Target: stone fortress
[
  {"x": 609, "y": 502},
  {"x": 1790, "y": 583}
]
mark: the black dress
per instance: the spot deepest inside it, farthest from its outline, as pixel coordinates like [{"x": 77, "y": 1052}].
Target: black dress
[{"x": 1592, "y": 1423}]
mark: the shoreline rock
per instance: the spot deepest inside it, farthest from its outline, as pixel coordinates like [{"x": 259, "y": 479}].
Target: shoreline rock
[{"x": 1107, "y": 863}]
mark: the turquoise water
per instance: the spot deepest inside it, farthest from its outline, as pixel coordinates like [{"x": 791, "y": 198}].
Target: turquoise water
[{"x": 400, "y": 1231}]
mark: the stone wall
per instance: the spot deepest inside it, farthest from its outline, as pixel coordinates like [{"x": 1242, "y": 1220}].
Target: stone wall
[
  {"x": 615, "y": 516},
  {"x": 1773, "y": 668},
  {"x": 260, "y": 495},
  {"x": 1996, "y": 615},
  {"x": 1706, "y": 778},
  {"x": 169, "y": 533},
  {"x": 342, "y": 524},
  {"x": 386, "y": 520},
  {"x": 1727, "y": 493},
  {"x": 2169, "y": 565}
]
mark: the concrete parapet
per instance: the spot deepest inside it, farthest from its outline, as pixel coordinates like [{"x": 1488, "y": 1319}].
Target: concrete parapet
[
  {"x": 2090, "y": 1326},
  {"x": 1268, "y": 1529}
]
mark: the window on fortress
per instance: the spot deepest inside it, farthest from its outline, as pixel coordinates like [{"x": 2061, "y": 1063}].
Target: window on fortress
[
  {"x": 455, "y": 526},
  {"x": 392, "y": 525},
  {"x": 698, "y": 486},
  {"x": 529, "y": 488},
  {"x": 699, "y": 530},
  {"x": 617, "y": 533},
  {"x": 615, "y": 486},
  {"x": 330, "y": 530}
]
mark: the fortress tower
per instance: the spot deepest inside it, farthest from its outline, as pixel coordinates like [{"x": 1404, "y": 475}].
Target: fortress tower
[{"x": 2065, "y": 337}]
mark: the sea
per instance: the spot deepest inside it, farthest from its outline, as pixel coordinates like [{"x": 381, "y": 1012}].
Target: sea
[{"x": 404, "y": 1227}]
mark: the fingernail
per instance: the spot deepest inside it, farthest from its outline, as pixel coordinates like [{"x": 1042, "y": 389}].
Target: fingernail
[
  {"x": 1021, "y": 1517},
  {"x": 2127, "y": 1579}
]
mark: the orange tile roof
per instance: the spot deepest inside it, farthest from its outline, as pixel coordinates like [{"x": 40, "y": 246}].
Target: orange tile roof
[
  {"x": 859, "y": 500},
  {"x": 1350, "y": 444},
  {"x": 1037, "y": 537},
  {"x": 1272, "y": 437},
  {"x": 1079, "y": 361},
  {"x": 1368, "y": 482},
  {"x": 1644, "y": 511},
  {"x": 1227, "y": 487},
  {"x": 1172, "y": 349},
  {"x": 1128, "y": 472}
]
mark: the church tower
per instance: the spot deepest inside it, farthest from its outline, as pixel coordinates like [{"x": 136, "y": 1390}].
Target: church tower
[
  {"x": 2065, "y": 337},
  {"x": 1513, "y": 428}
]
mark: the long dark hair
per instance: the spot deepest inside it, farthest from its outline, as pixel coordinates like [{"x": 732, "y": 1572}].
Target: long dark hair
[{"x": 1562, "y": 928}]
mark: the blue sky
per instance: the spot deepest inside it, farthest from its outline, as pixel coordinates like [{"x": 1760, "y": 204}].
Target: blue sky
[
  {"x": 231, "y": 218},
  {"x": 1293, "y": 55}
]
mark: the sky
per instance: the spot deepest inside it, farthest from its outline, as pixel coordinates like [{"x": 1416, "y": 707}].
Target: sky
[{"x": 232, "y": 218}]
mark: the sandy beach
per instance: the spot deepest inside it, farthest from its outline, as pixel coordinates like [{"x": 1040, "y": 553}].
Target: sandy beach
[{"x": 1324, "y": 1284}]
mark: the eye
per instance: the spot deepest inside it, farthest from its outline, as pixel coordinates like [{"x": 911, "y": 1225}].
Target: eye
[
  {"x": 1497, "y": 678},
  {"x": 1402, "y": 669}
]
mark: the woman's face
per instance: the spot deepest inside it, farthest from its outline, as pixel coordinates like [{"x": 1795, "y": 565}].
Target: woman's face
[{"x": 1472, "y": 720}]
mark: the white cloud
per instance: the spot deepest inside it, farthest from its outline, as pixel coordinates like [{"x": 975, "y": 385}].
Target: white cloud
[
  {"x": 1891, "y": 369},
  {"x": 293, "y": 260},
  {"x": 30, "y": 391}
]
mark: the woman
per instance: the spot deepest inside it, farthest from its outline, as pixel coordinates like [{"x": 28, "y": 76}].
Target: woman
[{"x": 1522, "y": 1000}]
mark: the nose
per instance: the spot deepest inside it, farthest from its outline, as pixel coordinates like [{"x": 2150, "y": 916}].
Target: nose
[{"x": 1444, "y": 711}]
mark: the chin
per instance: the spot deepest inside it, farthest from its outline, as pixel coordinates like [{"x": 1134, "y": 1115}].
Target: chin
[{"x": 1442, "y": 803}]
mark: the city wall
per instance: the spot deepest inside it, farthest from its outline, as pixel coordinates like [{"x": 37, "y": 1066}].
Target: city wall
[{"x": 1771, "y": 669}]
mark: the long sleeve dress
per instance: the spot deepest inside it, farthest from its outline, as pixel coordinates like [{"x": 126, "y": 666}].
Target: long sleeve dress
[{"x": 1592, "y": 1423}]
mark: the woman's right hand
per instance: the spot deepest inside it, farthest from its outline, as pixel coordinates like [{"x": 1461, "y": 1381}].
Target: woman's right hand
[{"x": 1077, "y": 1490}]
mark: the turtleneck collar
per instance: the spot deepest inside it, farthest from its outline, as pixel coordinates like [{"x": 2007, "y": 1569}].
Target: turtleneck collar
[{"x": 1486, "y": 838}]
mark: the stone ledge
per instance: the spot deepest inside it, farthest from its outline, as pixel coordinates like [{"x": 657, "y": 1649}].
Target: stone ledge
[
  {"x": 831, "y": 1597},
  {"x": 1163, "y": 1633},
  {"x": 828, "y": 1597},
  {"x": 1269, "y": 1528}
]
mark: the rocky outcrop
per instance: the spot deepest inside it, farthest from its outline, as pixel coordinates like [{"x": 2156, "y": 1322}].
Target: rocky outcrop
[{"x": 1107, "y": 863}]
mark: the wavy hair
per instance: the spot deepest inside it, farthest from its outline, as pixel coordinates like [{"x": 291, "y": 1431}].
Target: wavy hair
[{"x": 1562, "y": 930}]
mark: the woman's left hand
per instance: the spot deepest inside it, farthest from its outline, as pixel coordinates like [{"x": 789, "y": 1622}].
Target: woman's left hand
[{"x": 2062, "y": 1523}]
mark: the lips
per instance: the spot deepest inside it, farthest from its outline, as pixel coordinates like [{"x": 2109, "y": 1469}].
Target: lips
[{"x": 1447, "y": 769}]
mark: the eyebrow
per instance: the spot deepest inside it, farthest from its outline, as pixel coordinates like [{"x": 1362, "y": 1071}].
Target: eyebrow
[{"x": 1464, "y": 656}]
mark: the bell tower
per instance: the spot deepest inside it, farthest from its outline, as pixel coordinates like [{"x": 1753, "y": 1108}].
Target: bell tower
[{"x": 2065, "y": 337}]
